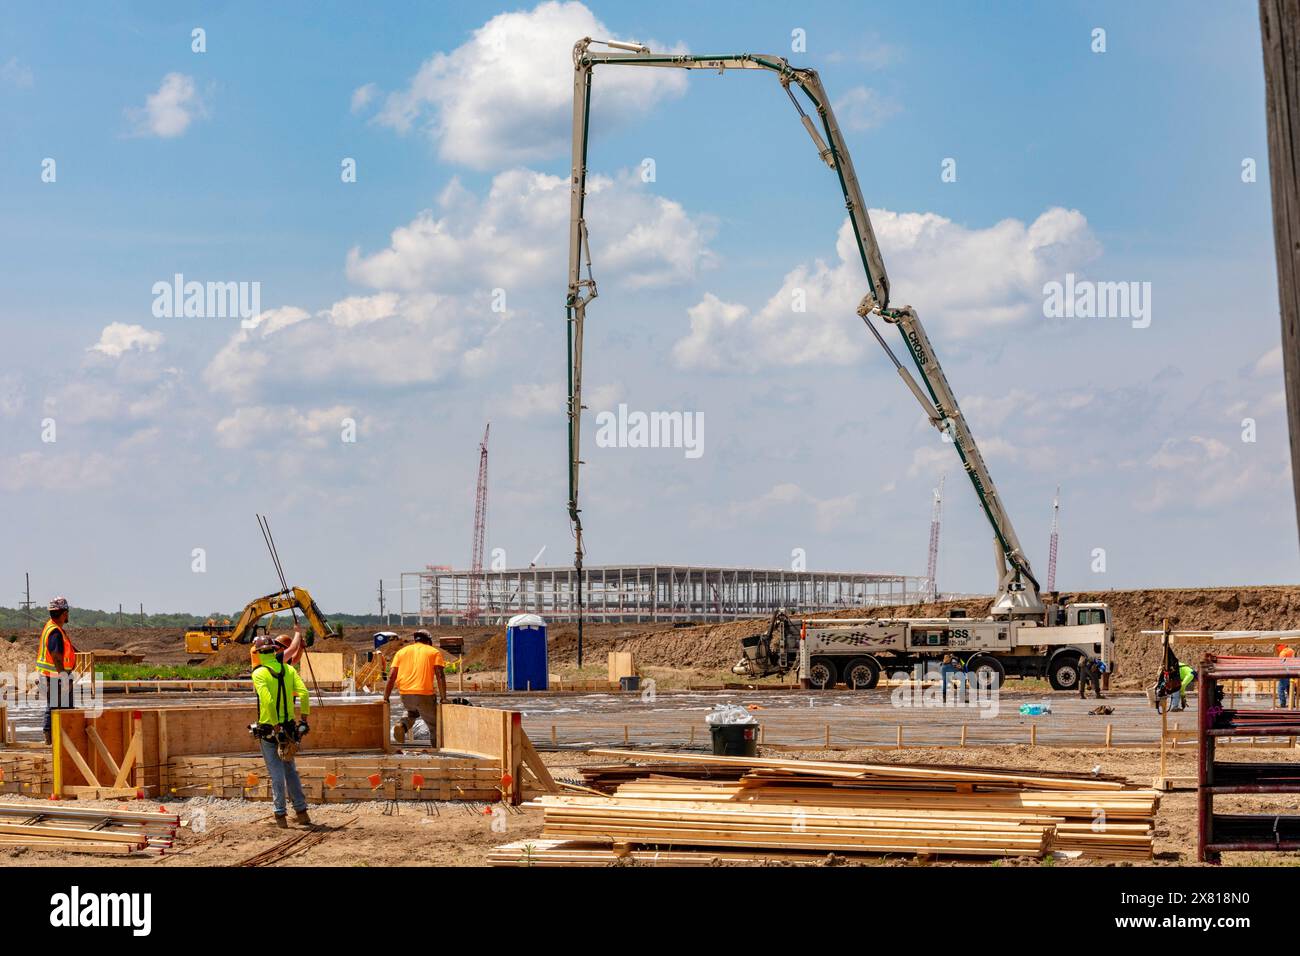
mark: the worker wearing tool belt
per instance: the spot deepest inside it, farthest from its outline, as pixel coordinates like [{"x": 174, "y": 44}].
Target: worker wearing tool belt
[
  {"x": 1186, "y": 678},
  {"x": 56, "y": 659},
  {"x": 1090, "y": 671},
  {"x": 277, "y": 732},
  {"x": 417, "y": 671}
]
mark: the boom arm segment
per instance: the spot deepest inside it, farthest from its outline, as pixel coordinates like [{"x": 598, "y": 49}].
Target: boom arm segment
[
  {"x": 275, "y": 603},
  {"x": 1017, "y": 589}
]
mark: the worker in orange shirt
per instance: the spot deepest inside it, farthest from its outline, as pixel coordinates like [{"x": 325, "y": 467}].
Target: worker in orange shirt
[
  {"x": 417, "y": 672},
  {"x": 1284, "y": 651}
]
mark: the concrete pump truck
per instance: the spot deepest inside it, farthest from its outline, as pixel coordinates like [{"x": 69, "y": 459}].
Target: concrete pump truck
[{"x": 1023, "y": 635}]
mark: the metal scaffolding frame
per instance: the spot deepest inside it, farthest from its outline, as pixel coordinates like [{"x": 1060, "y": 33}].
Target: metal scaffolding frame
[{"x": 620, "y": 594}]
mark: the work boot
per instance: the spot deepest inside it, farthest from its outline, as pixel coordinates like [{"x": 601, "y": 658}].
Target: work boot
[
  {"x": 300, "y": 816},
  {"x": 282, "y": 821},
  {"x": 399, "y": 732},
  {"x": 49, "y": 738}
]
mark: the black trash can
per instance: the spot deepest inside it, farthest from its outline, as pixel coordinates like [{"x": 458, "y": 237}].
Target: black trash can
[{"x": 735, "y": 740}]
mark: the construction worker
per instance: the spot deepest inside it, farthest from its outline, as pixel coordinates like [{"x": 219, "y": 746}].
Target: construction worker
[
  {"x": 1186, "y": 678},
  {"x": 1090, "y": 671},
  {"x": 415, "y": 671},
  {"x": 949, "y": 665},
  {"x": 1284, "y": 651},
  {"x": 56, "y": 659},
  {"x": 277, "y": 684}
]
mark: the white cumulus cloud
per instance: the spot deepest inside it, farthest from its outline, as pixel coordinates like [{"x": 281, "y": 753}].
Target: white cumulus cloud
[
  {"x": 168, "y": 112},
  {"x": 257, "y": 425},
  {"x": 506, "y": 95},
  {"x": 962, "y": 281},
  {"x": 514, "y": 237},
  {"x": 118, "y": 338},
  {"x": 362, "y": 96},
  {"x": 861, "y": 108}
]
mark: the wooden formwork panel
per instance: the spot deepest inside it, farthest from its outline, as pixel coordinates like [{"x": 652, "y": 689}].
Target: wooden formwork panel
[
  {"x": 333, "y": 779},
  {"x": 328, "y": 670},
  {"x": 621, "y": 664},
  {"x": 498, "y": 735},
  {"x": 92, "y": 750},
  {"x": 25, "y": 771}
]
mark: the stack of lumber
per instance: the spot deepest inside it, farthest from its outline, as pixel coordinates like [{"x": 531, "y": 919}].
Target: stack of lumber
[
  {"x": 42, "y": 826},
  {"x": 607, "y": 777},
  {"x": 1256, "y": 720},
  {"x": 686, "y": 808}
]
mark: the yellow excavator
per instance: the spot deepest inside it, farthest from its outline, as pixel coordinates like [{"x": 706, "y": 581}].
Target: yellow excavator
[{"x": 210, "y": 637}]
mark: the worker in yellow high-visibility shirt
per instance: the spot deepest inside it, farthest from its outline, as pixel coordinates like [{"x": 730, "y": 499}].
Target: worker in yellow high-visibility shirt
[
  {"x": 277, "y": 731},
  {"x": 418, "y": 672}
]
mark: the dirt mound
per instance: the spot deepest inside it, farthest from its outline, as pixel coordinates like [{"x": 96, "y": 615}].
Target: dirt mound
[
  {"x": 704, "y": 646},
  {"x": 21, "y": 653}
]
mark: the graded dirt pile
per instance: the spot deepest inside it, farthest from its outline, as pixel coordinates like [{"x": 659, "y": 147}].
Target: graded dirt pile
[{"x": 21, "y": 653}]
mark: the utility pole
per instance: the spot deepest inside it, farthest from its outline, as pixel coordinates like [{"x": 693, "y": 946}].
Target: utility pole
[
  {"x": 381, "y": 602},
  {"x": 27, "y": 602},
  {"x": 142, "y": 614},
  {"x": 1279, "y": 24}
]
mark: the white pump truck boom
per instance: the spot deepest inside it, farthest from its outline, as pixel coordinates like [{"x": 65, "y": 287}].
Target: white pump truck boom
[{"x": 1022, "y": 636}]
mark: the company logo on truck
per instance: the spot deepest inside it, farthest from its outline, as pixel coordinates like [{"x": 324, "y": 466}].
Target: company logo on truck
[{"x": 858, "y": 639}]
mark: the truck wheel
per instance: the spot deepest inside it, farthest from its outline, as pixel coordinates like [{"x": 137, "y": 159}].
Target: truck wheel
[
  {"x": 986, "y": 672},
  {"x": 862, "y": 673},
  {"x": 1064, "y": 673},
  {"x": 821, "y": 673}
]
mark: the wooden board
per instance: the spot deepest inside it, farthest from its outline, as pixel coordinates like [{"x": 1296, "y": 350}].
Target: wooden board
[
  {"x": 327, "y": 669},
  {"x": 862, "y": 771},
  {"x": 621, "y": 664}
]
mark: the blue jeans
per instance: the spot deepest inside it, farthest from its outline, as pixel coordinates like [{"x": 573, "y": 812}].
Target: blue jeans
[
  {"x": 946, "y": 672},
  {"x": 282, "y": 772},
  {"x": 57, "y": 689},
  {"x": 1283, "y": 689}
]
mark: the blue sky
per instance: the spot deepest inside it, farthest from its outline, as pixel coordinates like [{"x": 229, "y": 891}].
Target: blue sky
[{"x": 1123, "y": 165}]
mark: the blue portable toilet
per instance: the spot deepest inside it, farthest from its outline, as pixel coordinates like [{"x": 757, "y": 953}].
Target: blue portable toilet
[{"x": 526, "y": 664}]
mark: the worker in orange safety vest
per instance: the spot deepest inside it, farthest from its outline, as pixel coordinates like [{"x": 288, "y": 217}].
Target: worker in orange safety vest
[
  {"x": 56, "y": 659},
  {"x": 1284, "y": 684}
]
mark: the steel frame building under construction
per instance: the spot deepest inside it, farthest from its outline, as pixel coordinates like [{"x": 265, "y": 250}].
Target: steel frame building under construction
[{"x": 647, "y": 593}]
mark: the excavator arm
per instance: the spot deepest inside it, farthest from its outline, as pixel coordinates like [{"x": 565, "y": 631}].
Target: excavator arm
[
  {"x": 1018, "y": 589},
  {"x": 276, "y": 603}
]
